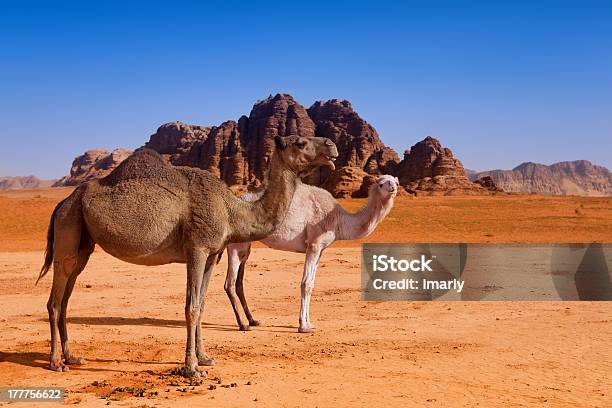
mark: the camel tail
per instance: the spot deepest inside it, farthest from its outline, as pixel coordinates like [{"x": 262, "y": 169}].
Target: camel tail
[{"x": 49, "y": 250}]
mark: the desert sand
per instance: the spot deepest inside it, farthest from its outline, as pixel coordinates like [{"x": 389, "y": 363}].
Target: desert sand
[{"x": 128, "y": 321}]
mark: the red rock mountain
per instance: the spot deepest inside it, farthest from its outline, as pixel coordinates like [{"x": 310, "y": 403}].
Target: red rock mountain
[
  {"x": 429, "y": 168},
  {"x": 239, "y": 152},
  {"x": 360, "y": 148},
  {"x": 278, "y": 115},
  {"x": 578, "y": 177},
  {"x": 358, "y": 142},
  {"x": 94, "y": 163},
  {"x": 174, "y": 140}
]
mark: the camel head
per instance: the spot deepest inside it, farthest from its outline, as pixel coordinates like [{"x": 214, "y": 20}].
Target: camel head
[
  {"x": 302, "y": 154},
  {"x": 387, "y": 186}
]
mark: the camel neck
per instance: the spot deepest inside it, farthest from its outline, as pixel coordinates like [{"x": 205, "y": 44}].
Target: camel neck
[
  {"x": 363, "y": 222},
  {"x": 260, "y": 218}
]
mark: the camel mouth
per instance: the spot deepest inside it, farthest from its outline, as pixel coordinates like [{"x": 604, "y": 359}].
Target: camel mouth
[{"x": 330, "y": 161}]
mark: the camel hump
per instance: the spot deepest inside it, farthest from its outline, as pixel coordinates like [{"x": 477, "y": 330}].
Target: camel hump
[{"x": 142, "y": 164}]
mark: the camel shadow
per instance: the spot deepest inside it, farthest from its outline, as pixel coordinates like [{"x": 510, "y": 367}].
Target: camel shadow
[
  {"x": 284, "y": 326},
  {"x": 41, "y": 360},
  {"x": 154, "y": 322},
  {"x": 26, "y": 358},
  {"x": 125, "y": 321},
  {"x": 141, "y": 321}
]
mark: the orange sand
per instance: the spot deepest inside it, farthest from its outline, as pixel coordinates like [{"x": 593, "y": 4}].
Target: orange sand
[{"x": 127, "y": 320}]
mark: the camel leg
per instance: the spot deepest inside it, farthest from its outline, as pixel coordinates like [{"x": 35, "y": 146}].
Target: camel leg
[
  {"x": 240, "y": 287},
  {"x": 203, "y": 358},
  {"x": 235, "y": 255},
  {"x": 67, "y": 225},
  {"x": 313, "y": 255},
  {"x": 81, "y": 262},
  {"x": 62, "y": 269},
  {"x": 196, "y": 264},
  {"x": 308, "y": 303},
  {"x": 240, "y": 292}
]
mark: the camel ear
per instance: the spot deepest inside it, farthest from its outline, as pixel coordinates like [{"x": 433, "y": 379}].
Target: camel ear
[{"x": 280, "y": 142}]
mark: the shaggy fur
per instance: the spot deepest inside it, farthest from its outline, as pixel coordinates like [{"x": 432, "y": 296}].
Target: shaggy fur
[
  {"x": 313, "y": 222},
  {"x": 151, "y": 213}
]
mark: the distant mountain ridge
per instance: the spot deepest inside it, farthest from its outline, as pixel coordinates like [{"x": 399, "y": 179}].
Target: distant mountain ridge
[
  {"x": 23, "y": 182},
  {"x": 578, "y": 177}
]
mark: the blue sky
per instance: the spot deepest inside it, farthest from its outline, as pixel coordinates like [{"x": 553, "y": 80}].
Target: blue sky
[{"x": 498, "y": 82}]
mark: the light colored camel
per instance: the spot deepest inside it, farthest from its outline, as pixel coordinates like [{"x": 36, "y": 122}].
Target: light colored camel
[
  {"x": 148, "y": 212},
  {"x": 313, "y": 222}
]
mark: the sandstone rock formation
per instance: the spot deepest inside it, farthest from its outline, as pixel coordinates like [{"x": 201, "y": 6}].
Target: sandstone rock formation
[
  {"x": 579, "y": 177},
  {"x": 278, "y": 115},
  {"x": 174, "y": 140},
  {"x": 358, "y": 142},
  {"x": 221, "y": 153},
  {"x": 93, "y": 164},
  {"x": 487, "y": 183},
  {"x": 346, "y": 182},
  {"x": 430, "y": 169},
  {"x": 23, "y": 182},
  {"x": 359, "y": 146},
  {"x": 239, "y": 152}
]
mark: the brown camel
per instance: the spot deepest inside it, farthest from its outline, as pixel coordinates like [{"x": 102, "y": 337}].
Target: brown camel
[{"x": 148, "y": 212}]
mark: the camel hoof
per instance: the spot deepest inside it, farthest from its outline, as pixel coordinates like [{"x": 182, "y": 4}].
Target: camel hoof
[
  {"x": 191, "y": 372},
  {"x": 306, "y": 330},
  {"x": 59, "y": 367},
  {"x": 75, "y": 361},
  {"x": 206, "y": 361},
  {"x": 254, "y": 323},
  {"x": 245, "y": 327}
]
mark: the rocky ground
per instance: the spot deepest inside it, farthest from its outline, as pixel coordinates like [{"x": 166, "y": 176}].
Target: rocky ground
[{"x": 127, "y": 321}]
